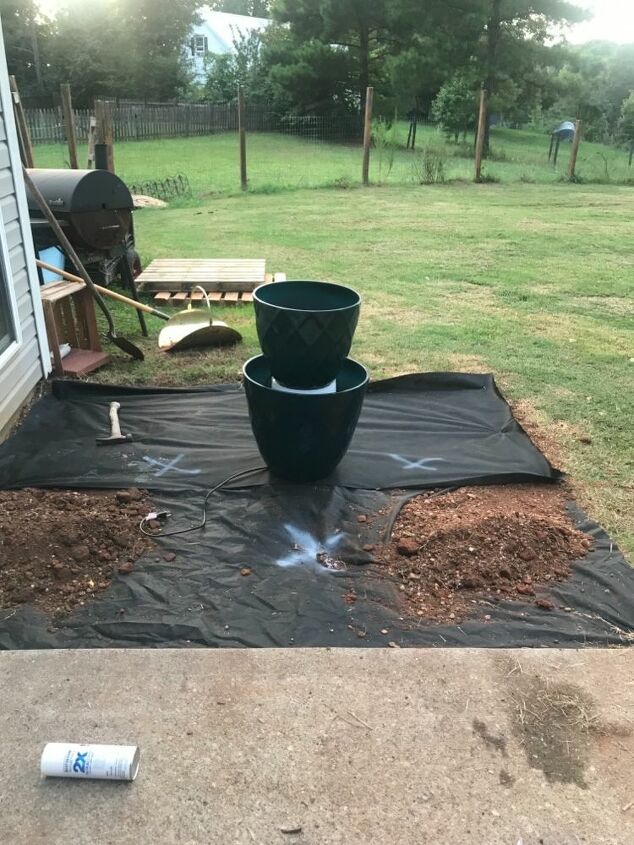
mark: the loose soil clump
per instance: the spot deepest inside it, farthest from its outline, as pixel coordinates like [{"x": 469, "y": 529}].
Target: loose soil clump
[
  {"x": 59, "y": 548},
  {"x": 455, "y": 550}
]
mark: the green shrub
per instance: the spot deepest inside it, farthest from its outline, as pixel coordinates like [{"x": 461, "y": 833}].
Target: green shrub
[
  {"x": 455, "y": 107},
  {"x": 385, "y": 144},
  {"x": 343, "y": 183},
  {"x": 428, "y": 168}
]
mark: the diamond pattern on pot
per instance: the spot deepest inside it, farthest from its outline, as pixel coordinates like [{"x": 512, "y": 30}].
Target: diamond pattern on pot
[{"x": 313, "y": 343}]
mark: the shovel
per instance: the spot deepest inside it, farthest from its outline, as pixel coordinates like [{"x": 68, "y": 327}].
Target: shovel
[
  {"x": 186, "y": 330},
  {"x": 125, "y": 345}
]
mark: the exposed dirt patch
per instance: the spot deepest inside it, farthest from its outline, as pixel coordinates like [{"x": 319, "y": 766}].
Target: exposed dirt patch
[
  {"x": 451, "y": 551},
  {"x": 462, "y": 363},
  {"x": 618, "y": 305},
  {"x": 558, "y": 726},
  {"x": 59, "y": 548},
  {"x": 553, "y": 722},
  {"x": 545, "y": 435},
  {"x": 143, "y": 201},
  {"x": 495, "y": 743}
]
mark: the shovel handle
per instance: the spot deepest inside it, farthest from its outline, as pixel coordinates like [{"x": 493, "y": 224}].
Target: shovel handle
[{"x": 140, "y": 306}]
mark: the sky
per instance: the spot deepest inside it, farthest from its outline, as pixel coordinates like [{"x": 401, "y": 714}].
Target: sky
[{"x": 613, "y": 20}]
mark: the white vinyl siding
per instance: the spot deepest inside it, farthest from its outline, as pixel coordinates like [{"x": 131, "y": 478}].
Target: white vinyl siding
[{"x": 26, "y": 360}]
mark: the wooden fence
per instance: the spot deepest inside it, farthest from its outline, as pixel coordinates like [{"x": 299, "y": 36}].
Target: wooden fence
[{"x": 144, "y": 121}]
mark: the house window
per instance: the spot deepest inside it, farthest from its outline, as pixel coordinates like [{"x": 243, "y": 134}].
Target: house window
[
  {"x": 200, "y": 45},
  {"x": 7, "y": 327}
]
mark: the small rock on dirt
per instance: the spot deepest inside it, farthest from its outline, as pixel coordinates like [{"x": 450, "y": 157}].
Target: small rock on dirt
[
  {"x": 126, "y": 568},
  {"x": 246, "y": 571},
  {"x": 68, "y": 537},
  {"x": 131, "y": 495},
  {"x": 169, "y": 557},
  {"x": 80, "y": 553},
  {"x": 407, "y": 547}
]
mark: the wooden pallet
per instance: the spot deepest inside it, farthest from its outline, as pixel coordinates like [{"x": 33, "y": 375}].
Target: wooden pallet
[
  {"x": 213, "y": 274},
  {"x": 180, "y": 299},
  {"x": 219, "y": 292}
]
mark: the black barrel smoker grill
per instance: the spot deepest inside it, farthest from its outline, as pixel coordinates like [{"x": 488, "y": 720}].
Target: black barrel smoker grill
[{"x": 94, "y": 208}]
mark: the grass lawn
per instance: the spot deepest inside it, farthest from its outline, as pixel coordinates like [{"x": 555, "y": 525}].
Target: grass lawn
[
  {"x": 282, "y": 163},
  {"x": 530, "y": 282}
]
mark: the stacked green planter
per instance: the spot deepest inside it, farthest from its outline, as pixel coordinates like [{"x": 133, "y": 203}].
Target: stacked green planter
[{"x": 304, "y": 393}]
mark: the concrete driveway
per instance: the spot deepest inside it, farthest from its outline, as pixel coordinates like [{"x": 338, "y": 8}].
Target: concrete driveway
[{"x": 402, "y": 747}]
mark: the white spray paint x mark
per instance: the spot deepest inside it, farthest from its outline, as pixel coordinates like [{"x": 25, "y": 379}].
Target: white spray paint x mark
[
  {"x": 163, "y": 466},
  {"x": 423, "y": 463},
  {"x": 306, "y": 548}
]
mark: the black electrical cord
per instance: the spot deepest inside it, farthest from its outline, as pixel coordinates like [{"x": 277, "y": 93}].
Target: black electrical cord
[{"x": 244, "y": 474}]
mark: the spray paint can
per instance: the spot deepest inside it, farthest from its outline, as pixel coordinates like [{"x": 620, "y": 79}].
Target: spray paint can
[{"x": 100, "y": 762}]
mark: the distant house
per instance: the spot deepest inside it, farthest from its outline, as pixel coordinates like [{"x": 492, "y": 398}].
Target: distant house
[
  {"x": 217, "y": 32},
  {"x": 24, "y": 352}
]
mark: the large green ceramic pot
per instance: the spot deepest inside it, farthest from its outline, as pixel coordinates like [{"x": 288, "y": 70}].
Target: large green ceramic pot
[
  {"x": 303, "y": 437},
  {"x": 306, "y": 329}
]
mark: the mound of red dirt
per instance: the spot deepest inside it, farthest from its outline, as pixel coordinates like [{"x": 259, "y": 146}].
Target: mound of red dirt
[
  {"x": 59, "y": 548},
  {"x": 456, "y": 550}
]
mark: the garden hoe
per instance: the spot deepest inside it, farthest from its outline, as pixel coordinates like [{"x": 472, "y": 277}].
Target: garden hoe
[{"x": 189, "y": 329}]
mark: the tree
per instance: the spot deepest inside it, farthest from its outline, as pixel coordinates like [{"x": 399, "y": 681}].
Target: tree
[
  {"x": 133, "y": 49},
  {"x": 101, "y": 62},
  {"x": 626, "y": 123},
  {"x": 455, "y": 106},
  {"x": 360, "y": 27},
  {"x": 156, "y": 34},
  {"x": 307, "y": 76},
  {"x": 619, "y": 79},
  {"x": 26, "y": 36},
  {"x": 592, "y": 82},
  {"x": 430, "y": 43},
  {"x": 252, "y": 8},
  {"x": 244, "y": 67},
  {"x": 517, "y": 22}
]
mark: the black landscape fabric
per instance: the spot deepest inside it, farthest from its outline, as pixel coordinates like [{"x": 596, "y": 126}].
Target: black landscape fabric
[{"x": 416, "y": 432}]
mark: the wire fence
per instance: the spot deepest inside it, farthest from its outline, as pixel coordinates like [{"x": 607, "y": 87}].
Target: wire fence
[
  {"x": 145, "y": 121},
  {"x": 163, "y": 189}
]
